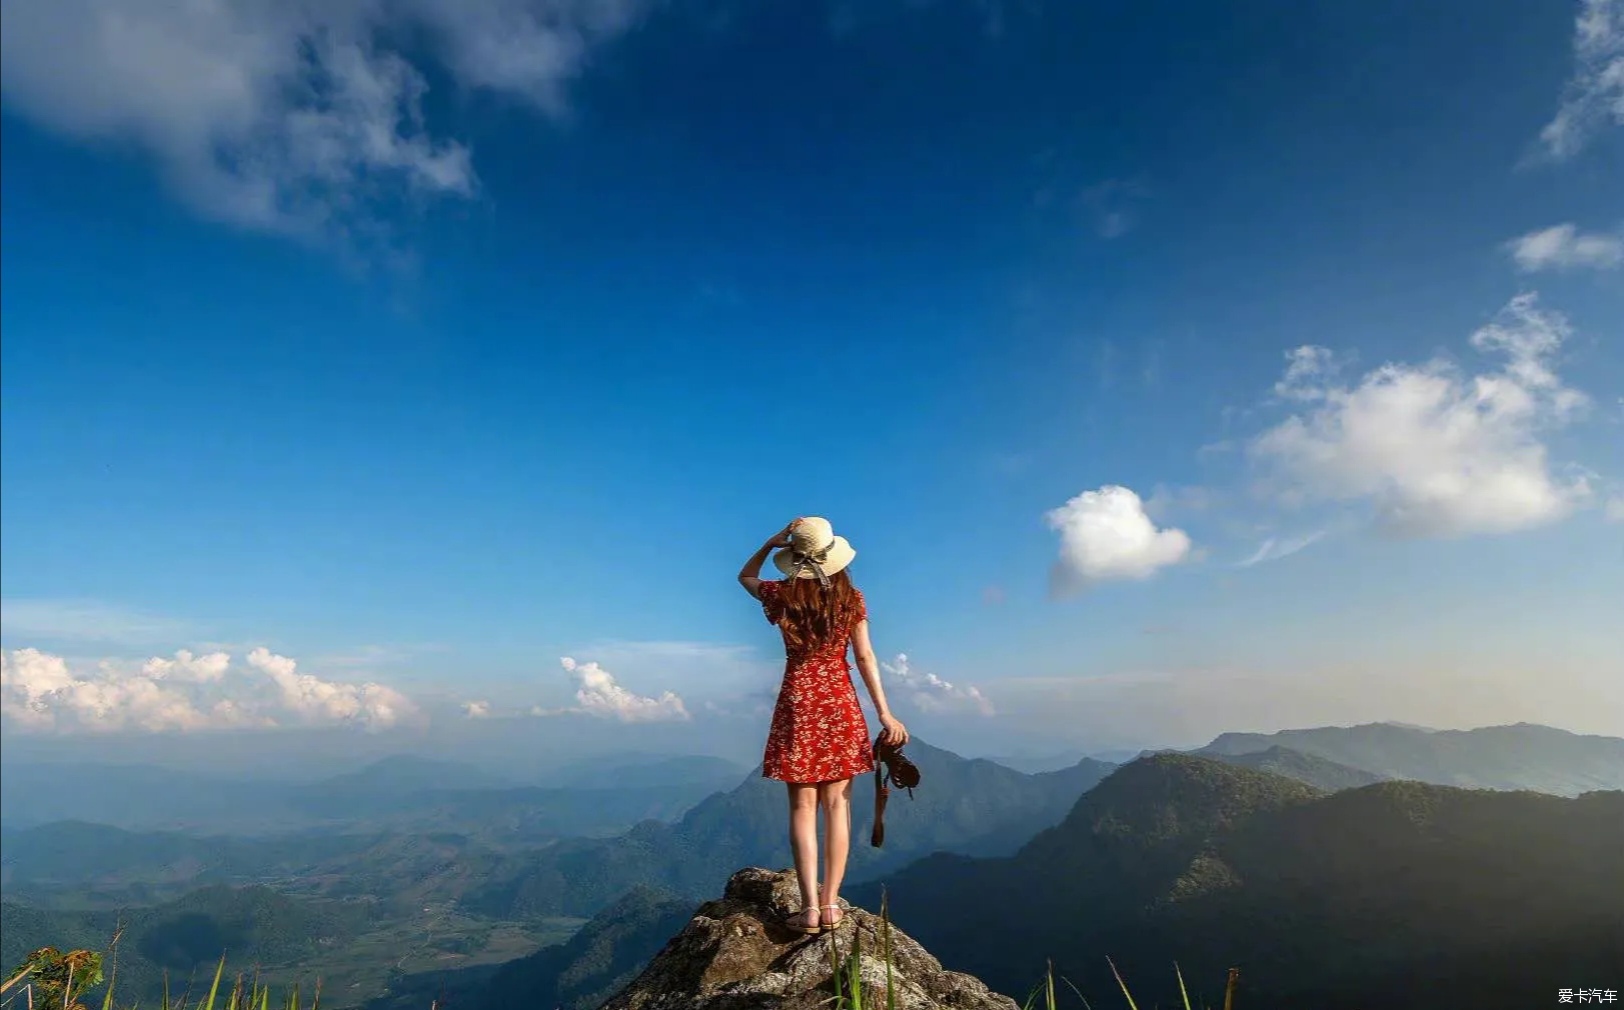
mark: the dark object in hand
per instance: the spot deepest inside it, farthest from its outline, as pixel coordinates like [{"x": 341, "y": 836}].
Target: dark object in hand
[{"x": 897, "y": 771}]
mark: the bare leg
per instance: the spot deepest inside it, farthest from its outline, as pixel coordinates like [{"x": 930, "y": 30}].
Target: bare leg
[
  {"x": 803, "y": 842},
  {"x": 835, "y": 799}
]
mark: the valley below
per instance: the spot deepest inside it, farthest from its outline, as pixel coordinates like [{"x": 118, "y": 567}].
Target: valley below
[{"x": 410, "y": 883}]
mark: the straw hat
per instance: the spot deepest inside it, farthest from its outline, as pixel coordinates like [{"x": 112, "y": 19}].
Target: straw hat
[{"x": 814, "y": 552}]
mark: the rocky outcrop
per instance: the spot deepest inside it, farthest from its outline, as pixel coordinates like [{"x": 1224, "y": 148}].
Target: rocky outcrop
[{"x": 735, "y": 954}]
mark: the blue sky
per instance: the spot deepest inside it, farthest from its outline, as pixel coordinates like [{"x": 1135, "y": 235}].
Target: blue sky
[{"x": 425, "y": 345}]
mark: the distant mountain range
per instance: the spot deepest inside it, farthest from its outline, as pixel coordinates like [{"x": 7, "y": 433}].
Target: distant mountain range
[
  {"x": 1301, "y": 856},
  {"x": 1397, "y": 894},
  {"x": 1522, "y": 756},
  {"x": 73, "y": 853},
  {"x": 647, "y": 771},
  {"x": 1310, "y": 769},
  {"x": 1393, "y": 894},
  {"x": 403, "y": 793},
  {"x": 970, "y": 806}
]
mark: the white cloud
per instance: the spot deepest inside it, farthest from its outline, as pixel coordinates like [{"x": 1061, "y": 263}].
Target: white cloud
[
  {"x": 319, "y": 701},
  {"x": 289, "y": 116},
  {"x": 599, "y": 695},
  {"x": 933, "y": 694},
  {"x": 205, "y": 669},
  {"x": 1274, "y": 549},
  {"x": 37, "y": 688},
  {"x": 1307, "y": 370},
  {"x": 691, "y": 668},
  {"x": 476, "y": 709},
  {"x": 1435, "y": 452},
  {"x": 1615, "y": 509},
  {"x": 41, "y": 691},
  {"x": 1563, "y": 246},
  {"x": 1105, "y": 535},
  {"x": 1594, "y": 97}
]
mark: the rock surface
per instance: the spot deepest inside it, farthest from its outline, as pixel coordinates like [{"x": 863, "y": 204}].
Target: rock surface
[{"x": 736, "y": 954}]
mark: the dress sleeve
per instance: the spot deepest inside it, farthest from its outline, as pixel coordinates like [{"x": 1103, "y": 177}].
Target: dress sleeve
[
  {"x": 862, "y": 608},
  {"x": 771, "y": 604}
]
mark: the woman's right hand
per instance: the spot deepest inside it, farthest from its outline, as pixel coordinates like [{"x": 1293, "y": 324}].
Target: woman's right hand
[
  {"x": 893, "y": 733},
  {"x": 782, "y": 537}
]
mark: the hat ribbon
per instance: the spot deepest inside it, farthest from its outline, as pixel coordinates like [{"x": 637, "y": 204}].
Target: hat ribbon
[{"x": 815, "y": 560}]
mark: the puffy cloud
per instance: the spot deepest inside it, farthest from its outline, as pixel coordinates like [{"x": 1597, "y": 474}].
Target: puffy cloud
[
  {"x": 186, "y": 667},
  {"x": 315, "y": 700},
  {"x": 289, "y": 115},
  {"x": 476, "y": 709},
  {"x": 184, "y": 692},
  {"x": 1438, "y": 453},
  {"x": 933, "y": 694},
  {"x": 1106, "y": 534},
  {"x": 1594, "y": 97},
  {"x": 598, "y": 694},
  {"x": 40, "y": 691},
  {"x": 1563, "y": 246}
]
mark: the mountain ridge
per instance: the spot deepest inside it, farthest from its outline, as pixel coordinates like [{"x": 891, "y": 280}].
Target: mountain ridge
[
  {"x": 1508, "y": 757},
  {"x": 1323, "y": 898},
  {"x": 747, "y": 826}
]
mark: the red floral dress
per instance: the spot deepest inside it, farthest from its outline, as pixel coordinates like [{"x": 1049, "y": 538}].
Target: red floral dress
[{"x": 818, "y": 731}]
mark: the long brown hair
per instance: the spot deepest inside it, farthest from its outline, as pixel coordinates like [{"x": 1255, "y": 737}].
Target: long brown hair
[{"x": 816, "y": 615}]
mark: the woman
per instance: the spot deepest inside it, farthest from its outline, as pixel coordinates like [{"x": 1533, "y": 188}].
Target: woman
[{"x": 819, "y": 740}]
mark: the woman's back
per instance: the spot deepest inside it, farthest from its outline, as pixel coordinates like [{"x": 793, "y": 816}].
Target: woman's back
[{"x": 814, "y": 619}]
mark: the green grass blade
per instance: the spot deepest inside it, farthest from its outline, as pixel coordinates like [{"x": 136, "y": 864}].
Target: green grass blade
[
  {"x": 1077, "y": 991},
  {"x": 1123, "y": 985},
  {"x": 214, "y": 988},
  {"x": 856, "y": 971},
  {"x": 1182, "y": 993}
]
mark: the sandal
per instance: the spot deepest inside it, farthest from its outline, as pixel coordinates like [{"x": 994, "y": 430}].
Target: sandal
[
  {"x": 797, "y": 923},
  {"x": 837, "y": 922}
]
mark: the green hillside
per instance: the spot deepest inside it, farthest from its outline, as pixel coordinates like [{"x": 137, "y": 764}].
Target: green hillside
[
  {"x": 251, "y": 926},
  {"x": 1396, "y": 894},
  {"x": 1311, "y": 769}
]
